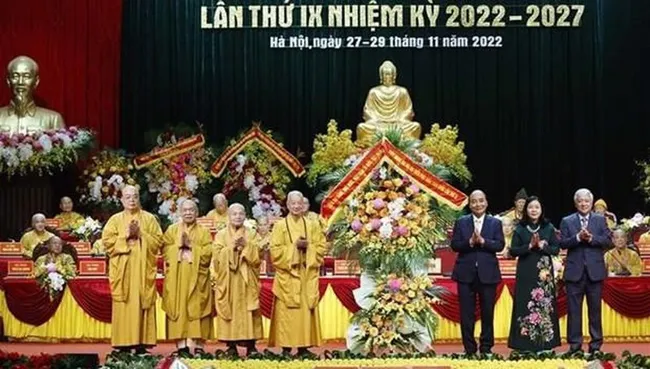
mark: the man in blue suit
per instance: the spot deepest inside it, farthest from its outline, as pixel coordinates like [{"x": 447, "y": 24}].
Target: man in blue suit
[
  {"x": 585, "y": 235},
  {"x": 477, "y": 239}
]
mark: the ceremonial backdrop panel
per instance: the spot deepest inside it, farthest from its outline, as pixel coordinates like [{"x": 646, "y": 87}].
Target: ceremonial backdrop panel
[{"x": 550, "y": 103}]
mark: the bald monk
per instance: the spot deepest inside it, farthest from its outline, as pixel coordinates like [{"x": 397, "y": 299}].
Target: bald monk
[
  {"x": 236, "y": 266},
  {"x": 220, "y": 212},
  {"x": 36, "y": 236},
  {"x": 68, "y": 218},
  {"x": 297, "y": 250},
  {"x": 187, "y": 296},
  {"x": 132, "y": 239}
]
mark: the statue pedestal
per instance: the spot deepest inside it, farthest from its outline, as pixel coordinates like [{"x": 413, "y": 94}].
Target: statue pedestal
[{"x": 23, "y": 196}]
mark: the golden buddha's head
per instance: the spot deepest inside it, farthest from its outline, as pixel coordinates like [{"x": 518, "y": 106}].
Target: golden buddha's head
[
  {"x": 22, "y": 78},
  {"x": 387, "y": 73}
]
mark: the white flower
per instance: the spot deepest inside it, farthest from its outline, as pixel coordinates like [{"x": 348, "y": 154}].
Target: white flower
[
  {"x": 165, "y": 187},
  {"x": 637, "y": 219},
  {"x": 25, "y": 152},
  {"x": 250, "y": 224},
  {"x": 383, "y": 173},
  {"x": 11, "y": 157},
  {"x": 424, "y": 159},
  {"x": 165, "y": 207},
  {"x": 386, "y": 230},
  {"x": 46, "y": 142},
  {"x": 116, "y": 181},
  {"x": 257, "y": 211},
  {"x": 97, "y": 189},
  {"x": 56, "y": 281},
  {"x": 353, "y": 203},
  {"x": 396, "y": 207},
  {"x": 249, "y": 181},
  {"x": 352, "y": 160},
  {"x": 67, "y": 141},
  {"x": 191, "y": 182},
  {"x": 254, "y": 193},
  {"x": 241, "y": 161}
]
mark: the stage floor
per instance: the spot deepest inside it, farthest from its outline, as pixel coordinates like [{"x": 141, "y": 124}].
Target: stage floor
[{"x": 102, "y": 349}]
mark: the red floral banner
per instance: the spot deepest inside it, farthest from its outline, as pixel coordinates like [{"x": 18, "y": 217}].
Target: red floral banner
[
  {"x": 386, "y": 152},
  {"x": 156, "y": 155},
  {"x": 258, "y": 136}
]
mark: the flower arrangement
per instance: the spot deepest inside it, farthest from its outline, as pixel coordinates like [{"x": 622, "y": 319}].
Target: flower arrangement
[
  {"x": 262, "y": 176},
  {"x": 102, "y": 181},
  {"x": 391, "y": 224},
  {"x": 398, "y": 315},
  {"x": 390, "y": 218},
  {"x": 331, "y": 150},
  {"x": 178, "y": 177},
  {"x": 538, "y": 325},
  {"x": 442, "y": 145},
  {"x": 89, "y": 230},
  {"x": 13, "y": 360},
  {"x": 55, "y": 278},
  {"x": 638, "y": 220},
  {"x": 42, "y": 152}
]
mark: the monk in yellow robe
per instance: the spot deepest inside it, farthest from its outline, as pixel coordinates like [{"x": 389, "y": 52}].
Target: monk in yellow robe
[
  {"x": 517, "y": 212},
  {"x": 621, "y": 261},
  {"x": 36, "y": 236},
  {"x": 236, "y": 268},
  {"x": 132, "y": 239},
  {"x": 55, "y": 261},
  {"x": 220, "y": 212},
  {"x": 68, "y": 218},
  {"x": 600, "y": 207},
  {"x": 508, "y": 226},
  {"x": 297, "y": 251},
  {"x": 187, "y": 296}
]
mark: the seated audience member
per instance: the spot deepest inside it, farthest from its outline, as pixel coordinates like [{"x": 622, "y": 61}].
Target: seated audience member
[
  {"x": 621, "y": 261},
  {"x": 37, "y": 235},
  {"x": 55, "y": 260},
  {"x": 68, "y": 219}
]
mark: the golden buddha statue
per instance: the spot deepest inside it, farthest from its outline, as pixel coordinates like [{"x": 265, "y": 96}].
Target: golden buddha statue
[
  {"x": 388, "y": 106},
  {"x": 22, "y": 115}
]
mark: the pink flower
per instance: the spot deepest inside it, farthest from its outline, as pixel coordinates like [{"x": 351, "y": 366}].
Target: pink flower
[
  {"x": 524, "y": 331},
  {"x": 535, "y": 318},
  {"x": 414, "y": 188},
  {"x": 357, "y": 225},
  {"x": 402, "y": 230},
  {"x": 51, "y": 268},
  {"x": 375, "y": 224},
  {"x": 37, "y": 146},
  {"x": 378, "y": 204},
  {"x": 395, "y": 285},
  {"x": 537, "y": 294}
]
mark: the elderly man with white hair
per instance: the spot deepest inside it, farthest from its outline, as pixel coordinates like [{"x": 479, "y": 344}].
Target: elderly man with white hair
[
  {"x": 37, "y": 235},
  {"x": 585, "y": 236},
  {"x": 236, "y": 269},
  {"x": 133, "y": 240},
  {"x": 187, "y": 296},
  {"x": 220, "y": 212},
  {"x": 297, "y": 251}
]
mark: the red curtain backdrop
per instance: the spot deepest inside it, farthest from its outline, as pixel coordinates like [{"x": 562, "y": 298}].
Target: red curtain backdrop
[{"x": 77, "y": 45}]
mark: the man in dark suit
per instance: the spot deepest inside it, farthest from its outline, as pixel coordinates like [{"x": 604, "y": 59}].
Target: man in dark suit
[
  {"x": 585, "y": 235},
  {"x": 477, "y": 239}
]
